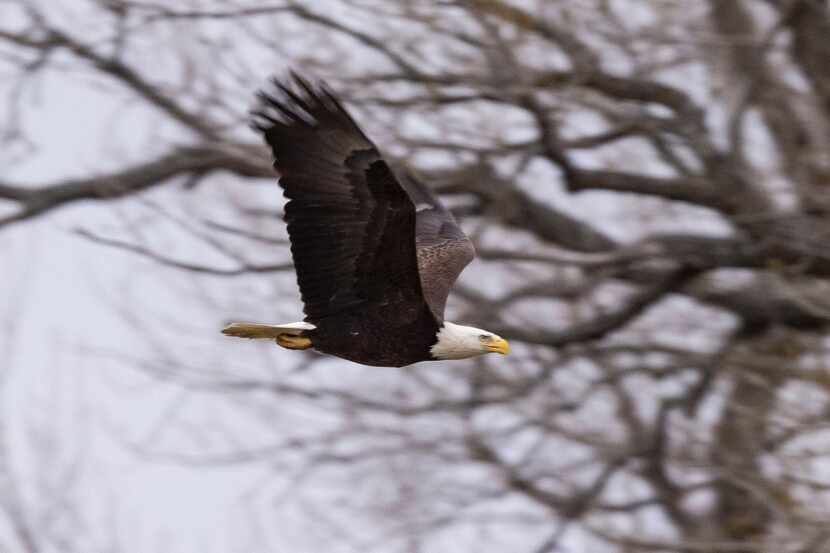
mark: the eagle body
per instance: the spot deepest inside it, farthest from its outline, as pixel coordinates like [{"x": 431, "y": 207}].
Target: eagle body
[
  {"x": 375, "y": 252},
  {"x": 371, "y": 338}
]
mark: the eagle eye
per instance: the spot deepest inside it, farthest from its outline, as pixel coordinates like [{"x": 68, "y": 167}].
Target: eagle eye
[{"x": 483, "y": 337}]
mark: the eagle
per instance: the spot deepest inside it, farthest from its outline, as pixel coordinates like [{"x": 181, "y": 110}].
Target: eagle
[{"x": 374, "y": 250}]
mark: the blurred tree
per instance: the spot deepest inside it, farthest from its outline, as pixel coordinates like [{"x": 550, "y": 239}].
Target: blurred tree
[{"x": 647, "y": 185}]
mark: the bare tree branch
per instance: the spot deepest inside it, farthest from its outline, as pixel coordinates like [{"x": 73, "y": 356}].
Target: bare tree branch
[
  {"x": 38, "y": 200},
  {"x": 246, "y": 268}
]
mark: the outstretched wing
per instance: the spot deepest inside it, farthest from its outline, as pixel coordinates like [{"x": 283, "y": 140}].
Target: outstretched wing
[
  {"x": 351, "y": 225},
  {"x": 443, "y": 250}
]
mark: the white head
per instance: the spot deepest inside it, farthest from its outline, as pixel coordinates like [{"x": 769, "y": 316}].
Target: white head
[{"x": 459, "y": 342}]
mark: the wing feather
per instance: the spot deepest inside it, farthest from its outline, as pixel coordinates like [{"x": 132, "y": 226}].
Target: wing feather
[
  {"x": 351, "y": 224},
  {"x": 443, "y": 250}
]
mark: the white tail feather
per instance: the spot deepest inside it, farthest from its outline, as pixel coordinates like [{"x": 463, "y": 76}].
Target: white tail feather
[{"x": 261, "y": 331}]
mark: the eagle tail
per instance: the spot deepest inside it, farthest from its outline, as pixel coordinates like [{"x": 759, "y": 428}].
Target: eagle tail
[{"x": 269, "y": 332}]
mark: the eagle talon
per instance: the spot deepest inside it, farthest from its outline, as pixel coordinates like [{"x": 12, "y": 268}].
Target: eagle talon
[{"x": 290, "y": 341}]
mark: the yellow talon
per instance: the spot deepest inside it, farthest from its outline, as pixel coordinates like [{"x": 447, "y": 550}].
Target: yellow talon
[{"x": 290, "y": 341}]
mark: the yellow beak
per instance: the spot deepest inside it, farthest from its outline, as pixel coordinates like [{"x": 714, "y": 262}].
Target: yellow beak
[{"x": 499, "y": 345}]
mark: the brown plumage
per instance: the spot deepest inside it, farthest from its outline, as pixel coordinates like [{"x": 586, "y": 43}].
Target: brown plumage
[{"x": 375, "y": 252}]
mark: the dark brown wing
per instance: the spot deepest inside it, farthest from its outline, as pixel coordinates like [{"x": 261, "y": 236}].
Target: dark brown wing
[
  {"x": 443, "y": 249},
  {"x": 351, "y": 225}
]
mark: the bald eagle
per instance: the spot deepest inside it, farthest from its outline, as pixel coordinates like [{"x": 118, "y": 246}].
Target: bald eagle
[{"x": 374, "y": 250}]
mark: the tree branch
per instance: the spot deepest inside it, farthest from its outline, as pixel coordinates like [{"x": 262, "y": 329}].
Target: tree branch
[
  {"x": 137, "y": 178},
  {"x": 165, "y": 261},
  {"x": 605, "y": 324}
]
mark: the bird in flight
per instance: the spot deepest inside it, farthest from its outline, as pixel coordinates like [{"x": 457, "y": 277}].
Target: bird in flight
[{"x": 374, "y": 250}]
